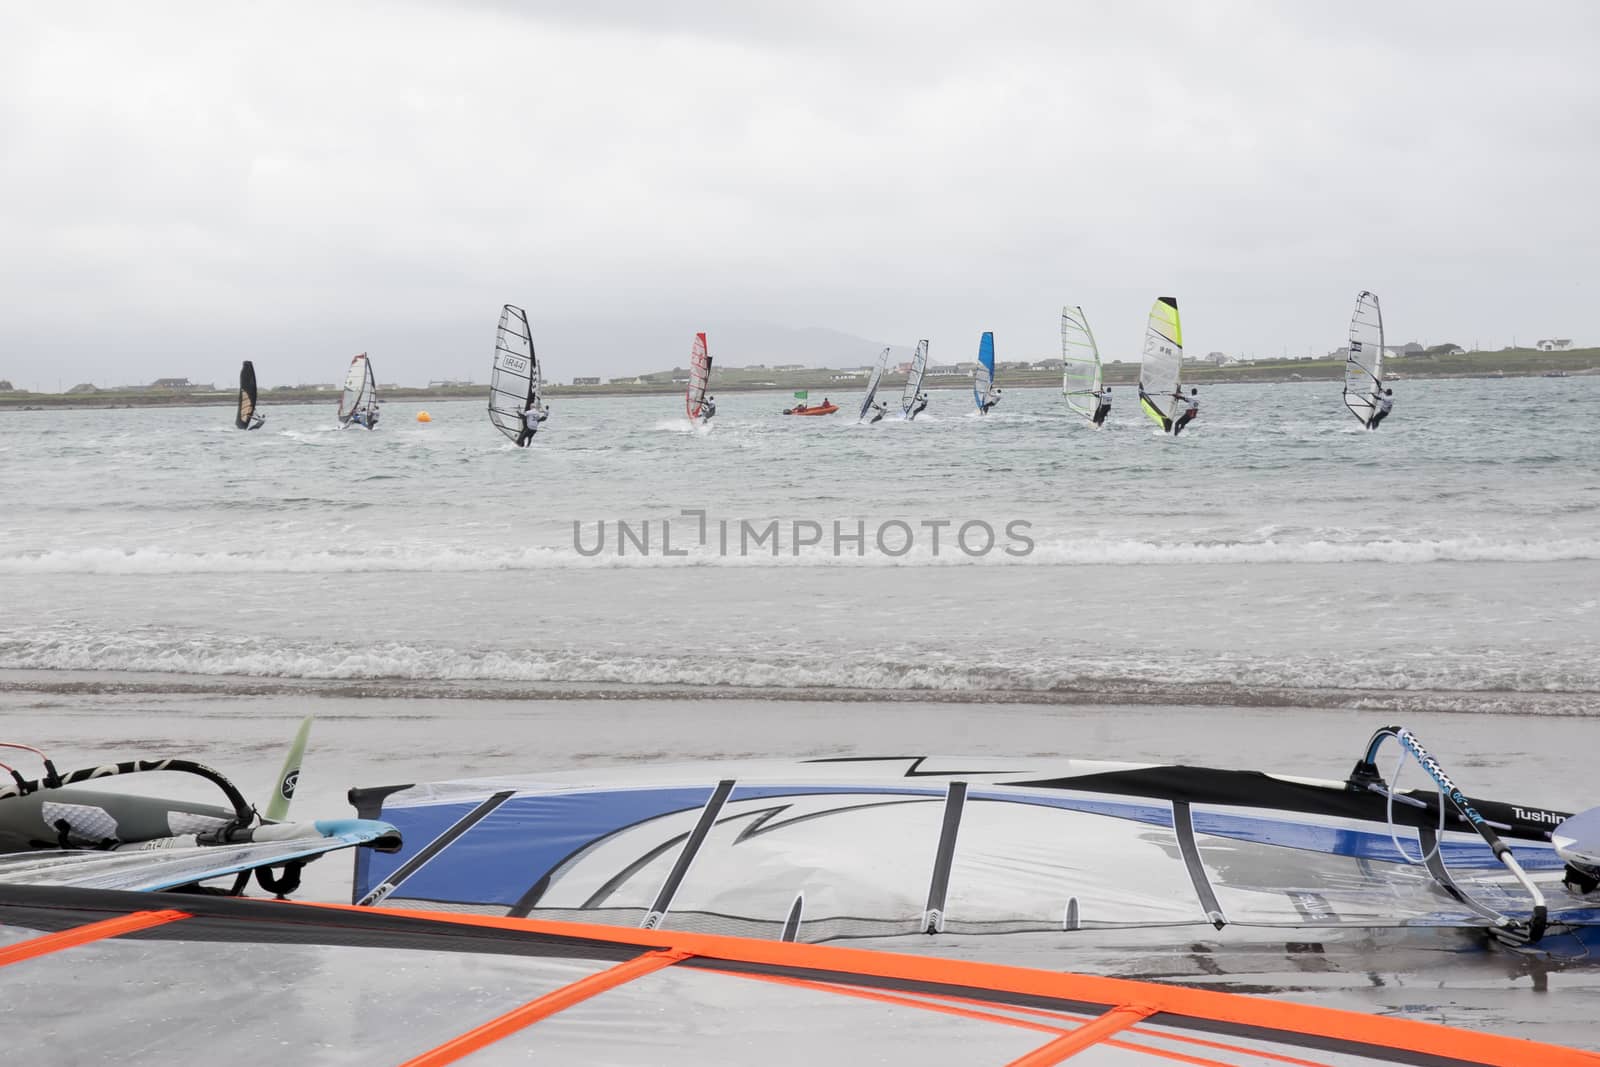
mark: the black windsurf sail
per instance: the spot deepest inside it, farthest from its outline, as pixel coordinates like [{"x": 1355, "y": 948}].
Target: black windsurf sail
[{"x": 246, "y": 418}]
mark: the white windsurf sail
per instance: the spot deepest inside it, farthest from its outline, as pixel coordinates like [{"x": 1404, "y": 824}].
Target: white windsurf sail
[
  {"x": 919, "y": 367},
  {"x": 360, "y": 392},
  {"x": 872, "y": 384},
  {"x": 1080, "y": 363},
  {"x": 1363, "y": 364},
  {"x": 694, "y": 399},
  {"x": 514, "y": 382},
  {"x": 1161, "y": 368},
  {"x": 873, "y": 848}
]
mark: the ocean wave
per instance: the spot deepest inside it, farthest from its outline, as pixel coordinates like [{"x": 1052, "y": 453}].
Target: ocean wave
[
  {"x": 1062, "y": 553},
  {"x": 1178, "y": 677}
]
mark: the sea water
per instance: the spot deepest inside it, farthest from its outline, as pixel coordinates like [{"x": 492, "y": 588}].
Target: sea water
[
  {"x": 1276, "y": 552},
  {"x": 1261, "y": 592}
]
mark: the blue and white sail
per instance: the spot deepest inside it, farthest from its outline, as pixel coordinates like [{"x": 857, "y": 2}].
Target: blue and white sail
[
  {"x": 870, "y": 846},
  {"x": 983, "y": 382}
]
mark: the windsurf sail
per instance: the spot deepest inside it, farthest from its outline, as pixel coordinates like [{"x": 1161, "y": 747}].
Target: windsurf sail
[
  {"x": 872, "y": 384},
  {"x": 1161, "y": 368},
  {"x": 919, "y": 367},
  {"x": 360, "y": 392},
  {"x": 983, "y": 384},
  {"x": 1363, "y": 363},
  {"x": 694, "y": 401},
  {"x": 908, "y": 845},
  {"x": 515, "y": 384},
  {"x": 319, "y": 983},
  {"x": 1080, "y": 363},
  {"x": 245, "y": 418}
]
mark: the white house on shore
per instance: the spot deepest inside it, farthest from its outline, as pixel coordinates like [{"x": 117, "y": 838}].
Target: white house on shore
[{"x": 1554, "y": 344}]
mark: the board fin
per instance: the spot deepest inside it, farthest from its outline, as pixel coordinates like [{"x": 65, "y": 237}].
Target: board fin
[{"x": 284, "y": 785}]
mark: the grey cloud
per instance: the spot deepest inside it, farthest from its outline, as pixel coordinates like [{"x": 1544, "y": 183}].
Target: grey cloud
[{"x": 187, "y": 185}]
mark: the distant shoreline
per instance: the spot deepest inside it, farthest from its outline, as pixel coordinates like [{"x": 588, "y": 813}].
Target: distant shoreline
[{"x": 1522, "y": 363}]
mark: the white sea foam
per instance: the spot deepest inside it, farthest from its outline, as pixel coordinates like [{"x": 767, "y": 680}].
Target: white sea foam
[
  {"x": 1083, "y": 552},
  {"x": 949, "y": 671}
]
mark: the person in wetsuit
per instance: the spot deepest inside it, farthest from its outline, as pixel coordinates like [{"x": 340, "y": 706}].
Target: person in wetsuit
[
  {"x": 1384, "y": 403},
  {"x": 918, "y": 403},
  {"x": 1102, "y": 406},
  {"x": 530, "y": 424},
  {"x": 1189, "y": 413}
]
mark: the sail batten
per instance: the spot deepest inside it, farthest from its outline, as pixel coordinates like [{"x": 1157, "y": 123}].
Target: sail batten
[
  {"x": 515, "y": 383},
  {"x": 919, "y": 367},
  {"x": 1081, "y": 370},
  {"x": 1363, "y": 364},
  {"x": 1161, "y": 367},
  {"x": 872, "y": 384}
]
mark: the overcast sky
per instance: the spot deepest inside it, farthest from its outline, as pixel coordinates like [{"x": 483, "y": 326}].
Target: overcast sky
[{"x": 185, "y": 185}]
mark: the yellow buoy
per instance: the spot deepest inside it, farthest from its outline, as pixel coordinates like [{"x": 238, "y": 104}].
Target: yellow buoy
[{"x": 423, "y": 416}]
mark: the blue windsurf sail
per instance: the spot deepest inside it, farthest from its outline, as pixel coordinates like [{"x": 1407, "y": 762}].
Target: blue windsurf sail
[{"x": 983, "y": 384}]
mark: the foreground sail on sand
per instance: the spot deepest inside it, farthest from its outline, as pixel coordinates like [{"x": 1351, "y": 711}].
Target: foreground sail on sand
[
  {"x": 822, "y": 849},
  {"x": 310, "y": 982}
]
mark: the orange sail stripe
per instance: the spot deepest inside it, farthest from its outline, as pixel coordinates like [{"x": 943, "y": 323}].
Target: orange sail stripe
[
  {"x": 1404, "y": 1034},
  {"x": 545, "y": 1006},
  {"x": 82, "y": 935},
  {"x": 1089, "y": 1034}
]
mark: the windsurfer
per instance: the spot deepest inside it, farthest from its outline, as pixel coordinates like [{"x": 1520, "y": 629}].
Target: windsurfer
[
  {"x": 1189, "y": 412},
  {"x": 1103, "y": 406},
  {"x": 879, "y": 410},
  {"x": 531, "y": 419},
  {"x": 917, "y": 405},
  {"x": 255, "y": 422},
  {"x": 994, "y": 399},
  {"x": 708, "y": 408},
  {"x": 1383, "y": 403}
]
